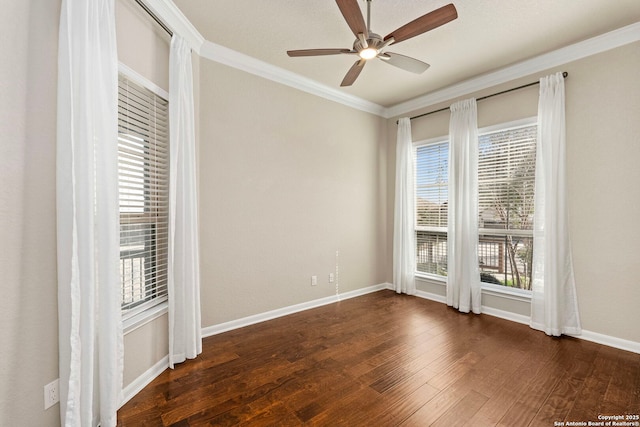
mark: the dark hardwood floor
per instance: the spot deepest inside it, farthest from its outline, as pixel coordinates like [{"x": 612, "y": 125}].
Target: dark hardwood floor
[{"x": 386, "y": 360}]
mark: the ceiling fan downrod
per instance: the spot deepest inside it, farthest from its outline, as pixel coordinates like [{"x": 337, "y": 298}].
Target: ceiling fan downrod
[{"x": 370, "y": 44}]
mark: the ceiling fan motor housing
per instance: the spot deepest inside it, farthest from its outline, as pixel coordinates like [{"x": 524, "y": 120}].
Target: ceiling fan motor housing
[{"x": 373, "y": 40}]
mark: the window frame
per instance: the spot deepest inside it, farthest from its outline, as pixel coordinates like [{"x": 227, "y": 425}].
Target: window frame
[
  {"x": 488, "y": 288},
  {"x": 432, "y": 229},
  {"x": 515, "y": 124},
  {"x": 146, "y": 312}
]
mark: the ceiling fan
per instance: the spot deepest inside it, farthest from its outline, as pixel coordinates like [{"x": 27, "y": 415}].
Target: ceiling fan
[{"x": 369, "y": 45}]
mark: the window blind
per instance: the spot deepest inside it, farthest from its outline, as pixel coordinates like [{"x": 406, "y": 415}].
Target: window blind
[
  {"x": 506, "y": 178},
  {"x": 431, "y": 196},
  {"x": 143, "y": 172},
  {"x": 506, "y": 184},
  {"x": 432, "y": 180}
]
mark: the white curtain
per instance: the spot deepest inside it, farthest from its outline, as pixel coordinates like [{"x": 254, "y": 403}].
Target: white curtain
[
  {"x": 90, "y": 326},
  {"x": 463, "y": 275},
  {"x": 554, "y": 306},
  {"x": 404, "y": 246},
  {"x": 185, "y": 339}
]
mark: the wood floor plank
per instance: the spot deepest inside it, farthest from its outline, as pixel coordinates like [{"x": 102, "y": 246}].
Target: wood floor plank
[
  {"x": 559, "y": 402},
  {"x": 455, "y": 371},
  {"x": 347, "y": 409},
  {"x": 620, "y": 389},
  {"x": 437, "y": 406},
  {"x": 510, "y": 390},
  {"x": 531, "y": 399},
  {"x": 387, "y": 360},
  {"x": 634, "y": 406},
  {"x": 591, "y": 395},
  {"x": 465, "y": 409},
  {"x": 329, "y": 396},
  {"x": 397, "y": 407}
]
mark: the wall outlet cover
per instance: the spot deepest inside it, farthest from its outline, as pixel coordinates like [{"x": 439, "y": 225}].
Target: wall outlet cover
[{"x": 51, "y": 394}]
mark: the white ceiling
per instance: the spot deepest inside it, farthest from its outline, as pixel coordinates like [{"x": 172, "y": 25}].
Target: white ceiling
[{"x": 488, "y": 35}]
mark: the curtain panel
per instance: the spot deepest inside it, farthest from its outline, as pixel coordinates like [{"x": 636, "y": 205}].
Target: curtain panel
[
  {"x": 185, "y": 339},
  {"x": 463, "y": 275},
  {"x": 90, "y": 325},
  {"x": 554, "y": 304},
  {"x": 404, "y": 246}
]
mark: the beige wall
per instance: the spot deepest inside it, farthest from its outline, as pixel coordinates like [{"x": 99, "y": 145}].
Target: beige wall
[
  {"x": 603, "y": 152},
  {"x": 144, "y": 347},
  {"x": 603, "y": 172},
  {"x": 286, "y": 180},
  {"x": 28, "y": 309},
  {"x": 142, "y": 44}
]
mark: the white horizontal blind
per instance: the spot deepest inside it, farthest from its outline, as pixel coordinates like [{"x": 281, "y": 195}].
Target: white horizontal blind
[
  {"x": 143, "y": 170},
  {"x": 506, "y": 182},
  {"x": 431, "y": 196},
  {"x": 432, "y": 181}
]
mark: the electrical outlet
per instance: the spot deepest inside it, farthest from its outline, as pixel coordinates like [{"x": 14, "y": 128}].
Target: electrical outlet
[
  {"x": 51, "y": 394},
  {"x": 331, "y": 278},
  {"x": 314, "y": 280}
]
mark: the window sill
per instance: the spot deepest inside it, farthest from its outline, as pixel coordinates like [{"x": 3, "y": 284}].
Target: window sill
[
  {"x": 506, "y": 292},
  {"x": 487, "y": 288},
  {"x": 431, "y": 277},
  {"x": 140, "y": 319}
]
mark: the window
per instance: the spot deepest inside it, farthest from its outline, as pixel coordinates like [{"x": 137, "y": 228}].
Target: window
[
  {"x": 506, "y": 180},
  {"x": 143, "y": 178},
  {"x": 432, "y": 180}
]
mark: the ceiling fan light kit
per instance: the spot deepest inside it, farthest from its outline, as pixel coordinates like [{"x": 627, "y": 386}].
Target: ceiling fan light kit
[
  {"x": 368, "y": 53},
  {"x": 369, "y": 45}
]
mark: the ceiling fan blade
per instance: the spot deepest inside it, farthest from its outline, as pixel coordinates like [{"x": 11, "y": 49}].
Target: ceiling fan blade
[
  {"x": 425, "y": 23},
  {"x": 353, "y": 73},
  {"x": 317, "y": 52},
  {"x": 353, "y": 15},
  {"x": 405, "y": 62}
]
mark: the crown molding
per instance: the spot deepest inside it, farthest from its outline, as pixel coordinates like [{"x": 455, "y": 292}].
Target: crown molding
[
  {"x": 173, "y": 18},
  {"x": 240, "y": 61},
  {"x": 169, "y": 13},
  {"x": 592, "y": 46}
]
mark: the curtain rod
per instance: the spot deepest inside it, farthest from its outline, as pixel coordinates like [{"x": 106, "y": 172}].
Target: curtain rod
[
  {"x": 155, "y": 18},
  {"x": 564, "y": 74}
]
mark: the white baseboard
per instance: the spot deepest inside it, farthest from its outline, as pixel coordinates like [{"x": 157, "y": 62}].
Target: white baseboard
[
  {"x": 507, "y": 315},
  {"x": 596, "y": 337},
  {"x": 431, "y": 296},
  {"x": 143, "y": 380},
  {"x": 273, "y": 314},
  {"x": 610, "y": 341},
  {"x": 485, "y": 310}
]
